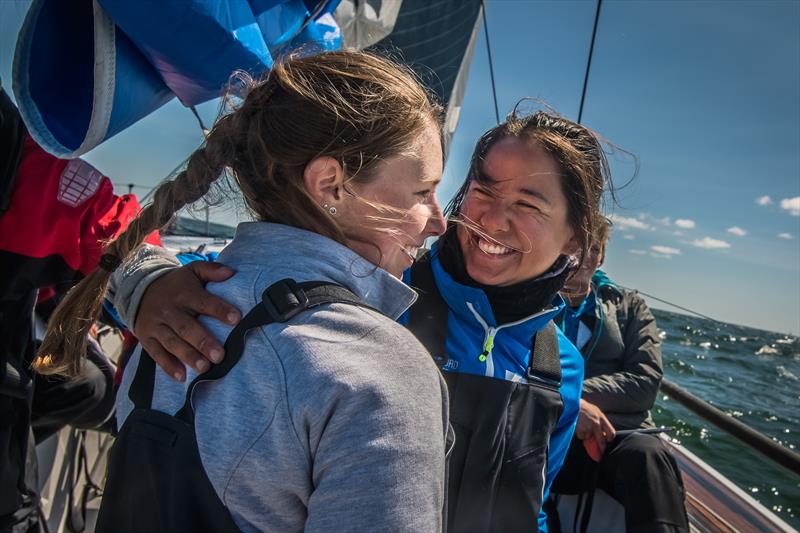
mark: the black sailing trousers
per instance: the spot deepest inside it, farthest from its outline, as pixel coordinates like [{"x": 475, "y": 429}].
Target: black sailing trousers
[{"x": 639, "y": 472}]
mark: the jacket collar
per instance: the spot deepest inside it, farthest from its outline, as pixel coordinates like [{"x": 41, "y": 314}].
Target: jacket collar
[
  {"x": 467, "y": 301},
  {"x": 281, "y": 251}
]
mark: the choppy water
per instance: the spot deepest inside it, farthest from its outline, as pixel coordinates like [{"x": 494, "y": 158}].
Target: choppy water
[{"x": 751, "y": 374}]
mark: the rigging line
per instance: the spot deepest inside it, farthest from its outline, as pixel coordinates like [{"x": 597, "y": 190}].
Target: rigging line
[
  {"x": 131, "y": 185},
  {"x": 676, "y": 305},
  {"x": 491, "y": 66},
  {"x": 199, "y": 120},
  {"x": 589, "y": 61}
]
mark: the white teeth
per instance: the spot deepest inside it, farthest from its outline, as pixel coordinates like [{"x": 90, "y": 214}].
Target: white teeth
[{"x": 494, "y": 249}]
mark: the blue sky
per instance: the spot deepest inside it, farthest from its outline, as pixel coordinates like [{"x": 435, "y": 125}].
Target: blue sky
[{"x": 706, "y": 94}]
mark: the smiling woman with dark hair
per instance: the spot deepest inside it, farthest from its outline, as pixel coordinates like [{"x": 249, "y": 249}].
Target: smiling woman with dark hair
[{"x": 526, "y": 210}]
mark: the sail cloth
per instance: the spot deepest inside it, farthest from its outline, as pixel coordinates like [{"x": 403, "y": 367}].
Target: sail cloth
[
  {"x": 87, "y": 69},
  {"x": 365, "y": 22},
  {"x": 437, "y": 39}
]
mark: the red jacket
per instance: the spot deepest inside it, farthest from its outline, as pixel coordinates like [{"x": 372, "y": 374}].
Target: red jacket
[{"x": 61, "y": 212}]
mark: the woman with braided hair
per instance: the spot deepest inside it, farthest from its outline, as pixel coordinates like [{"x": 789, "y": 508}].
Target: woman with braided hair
[{"x": 334, "y": 418}]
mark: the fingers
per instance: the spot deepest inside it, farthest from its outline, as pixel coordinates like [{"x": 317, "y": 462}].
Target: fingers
[
  {"x": 192, "y": 338},
  {"x": 208, "y": 271},
  {"x": 176, "y": 345},
  {"x": 172, "y": 354},
  {"x": 208, "y": 304},
  {"x": 169, "y": 364},
  {"x": 168, "y": 318},
  {"x": 205, "y": 303},
  {"x": 608, "y": 428},
  {"x": 600, "y": 438}
]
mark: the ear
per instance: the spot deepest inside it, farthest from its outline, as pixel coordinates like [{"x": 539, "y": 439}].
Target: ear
[
  {"x": 572, "y": 246},
  {"x": 324, "y": 179}
]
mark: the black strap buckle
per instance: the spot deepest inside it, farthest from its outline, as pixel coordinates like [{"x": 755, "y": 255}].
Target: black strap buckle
[{"x": 284, "y": 300}]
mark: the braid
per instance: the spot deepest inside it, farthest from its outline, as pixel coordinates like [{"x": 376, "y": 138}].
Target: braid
[
  {"x": 354, "y": 107},
  {"x": 64, "y": 344}
]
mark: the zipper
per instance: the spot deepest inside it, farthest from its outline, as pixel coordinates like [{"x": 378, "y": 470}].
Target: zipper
[{"x": 491, "y": 332}]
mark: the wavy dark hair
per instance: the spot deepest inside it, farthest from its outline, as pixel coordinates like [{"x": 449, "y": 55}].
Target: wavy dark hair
[{"x": 585, "y": 173}]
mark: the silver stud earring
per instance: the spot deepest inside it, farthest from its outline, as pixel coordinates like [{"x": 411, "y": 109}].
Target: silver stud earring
[{"x": 331, "y": 209}]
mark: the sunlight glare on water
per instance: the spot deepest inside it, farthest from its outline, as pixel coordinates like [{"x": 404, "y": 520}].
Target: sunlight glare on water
[{"x": 753, "y": 376}]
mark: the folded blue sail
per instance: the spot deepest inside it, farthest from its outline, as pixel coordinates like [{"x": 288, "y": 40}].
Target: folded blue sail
[{"x": 85, "y": 70}]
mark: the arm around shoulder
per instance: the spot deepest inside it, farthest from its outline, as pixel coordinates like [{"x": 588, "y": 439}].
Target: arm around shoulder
[{"x": 130, "y": 281}]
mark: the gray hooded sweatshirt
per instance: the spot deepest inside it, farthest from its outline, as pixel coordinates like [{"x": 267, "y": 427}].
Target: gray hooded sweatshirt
[{"x": 333, "y": 421}]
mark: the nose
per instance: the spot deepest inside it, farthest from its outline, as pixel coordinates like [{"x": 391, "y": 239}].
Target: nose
[
  {"x": 494, "y": 218},
  {"x": 436, "y": 223}
]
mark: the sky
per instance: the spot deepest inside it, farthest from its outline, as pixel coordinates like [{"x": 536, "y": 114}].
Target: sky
[{"x": 706, "y": 95}]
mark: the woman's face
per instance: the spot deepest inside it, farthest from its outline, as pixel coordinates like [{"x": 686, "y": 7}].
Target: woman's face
[
  {"x": 407, "y": 184},
  {"x": 520, "y": 214}
]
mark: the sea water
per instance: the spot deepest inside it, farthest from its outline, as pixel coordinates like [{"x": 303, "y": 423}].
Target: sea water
[{"x": 750, "y": 374}]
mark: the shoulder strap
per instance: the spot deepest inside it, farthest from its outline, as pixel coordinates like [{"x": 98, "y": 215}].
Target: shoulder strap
[
  {"x": 280, "y": 302},
  {"x": 427, "y": 318},
  {"x": 545, "y": 363},
  {"x": 141, "y": 391}
]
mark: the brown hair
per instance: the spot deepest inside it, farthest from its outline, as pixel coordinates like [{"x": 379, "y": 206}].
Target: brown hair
[
  {"x": 356, "y": 107},
  {"x": 576, "y": 149},
  {"x": 602, "y": 232}
]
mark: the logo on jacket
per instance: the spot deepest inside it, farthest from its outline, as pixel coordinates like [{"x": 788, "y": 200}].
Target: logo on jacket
[
  {"x": 450, "y": 365},
  {"x": 79, "y": 181}
]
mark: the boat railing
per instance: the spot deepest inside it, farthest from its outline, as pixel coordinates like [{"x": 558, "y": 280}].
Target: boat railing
[{"x": 759, "y": 442}]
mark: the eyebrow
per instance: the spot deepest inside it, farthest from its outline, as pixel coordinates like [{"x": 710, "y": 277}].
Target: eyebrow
[
  {"x": 488, "y": 181},
  {"x": 535, "y": 194}
]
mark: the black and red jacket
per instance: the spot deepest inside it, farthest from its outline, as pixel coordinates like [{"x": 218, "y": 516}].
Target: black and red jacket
[{"x": 55, "y": 215}]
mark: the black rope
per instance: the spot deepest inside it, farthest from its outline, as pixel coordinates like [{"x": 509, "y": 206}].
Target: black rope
[
  {"x": 676, "y": 305},
  {"x": 131, "y": 186},
  {"x": 197, "y": 116},
  {"x": 312, "y": 15},
  {"x": 589, "y": 61},
  {"x": 491, "y": 66}
]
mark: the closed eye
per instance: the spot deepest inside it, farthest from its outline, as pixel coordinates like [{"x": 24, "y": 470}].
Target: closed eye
[
  {"x": 526, "y": 205},
  {"x": 484, "y": 192}
]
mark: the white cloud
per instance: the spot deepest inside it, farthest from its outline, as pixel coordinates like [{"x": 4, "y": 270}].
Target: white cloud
[
  {"x": 787, "y": 236},
  {"x": 711, "y": 244},
  {"x": 685, "y": 223},
  {"x": 736, "y": 230},
  {"x": 637, "y": 252},
  {"x": 666, "y": 221},
  {"x": 628, "y": 237},
  {"x": 624, "y": 223},
  {"x": 792, "y": 205},
  {"x": 665, "y": 250},
  {"x": 763, "y": 200}
]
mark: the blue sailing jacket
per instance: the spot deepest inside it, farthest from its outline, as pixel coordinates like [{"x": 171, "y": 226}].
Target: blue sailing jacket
[{"x": 476, "y": 344}]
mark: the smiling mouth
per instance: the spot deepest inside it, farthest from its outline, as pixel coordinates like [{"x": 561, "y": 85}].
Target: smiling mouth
[
  {"x": 491, "y": 248},
  {"x": 489, "y": 245}
]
